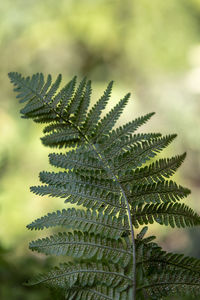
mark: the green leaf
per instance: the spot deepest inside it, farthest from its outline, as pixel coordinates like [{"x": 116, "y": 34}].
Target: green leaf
[
  {"x": 84, "y": 246},
  {"x": 76, "y": 100},
  {"x": 91, "y": 221},
  {"x": 157, "y": 171},
  {"x": 95, "y": 112},
  {"x": 84, "y": 274},
  {"x": 127, "y": 142},
  {"x": 80, "y": 115},
  {"x": 81, "y": 194},
  {"x": 173, "y": 214},
  {"x": 125, "y": 130},
  {"x": 107, "y": 123},
  {"x": 63, "y": 178},
  {"x": 74, "y": 159},
  {"x": 141, "y": 153},
  {"x": 61, "y": 137},
  {"x": 174, "y": 283},
  {"x": 167, "y": 191},
  {"x": 99, "y": 292}
]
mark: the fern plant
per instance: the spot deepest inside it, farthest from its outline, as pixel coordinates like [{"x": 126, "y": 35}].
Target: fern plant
[{"x": 102, "y": 172}]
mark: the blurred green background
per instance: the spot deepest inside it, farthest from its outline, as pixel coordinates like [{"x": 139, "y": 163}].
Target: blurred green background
[{"x": 150, "y": 48}]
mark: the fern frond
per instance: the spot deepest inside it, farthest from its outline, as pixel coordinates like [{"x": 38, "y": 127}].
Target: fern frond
[
  {"x": 63, "y": 97},
  {"x": 60, "y": 138},
  {"x": 157, "y": 171},
  {"x": 80, "y": 194},
  {"x": 84, "y": 274},
  {"x": 105, "y": 173},
  {"x": 63, "y": 178},
  {"x": 126, "y": 130},
  {"x": 52, "y": 90},
  {"x": 172, "y": 283},
  {"x": 99, "y": 292},
  {"x": 84, "y": 220},
  {"x": 74, "y": 159},
  {"x": 127, "y": 142},
  {"x": 80, "y": 115},
  {"x": 42, "y": 96},
  {"x": 141, "y": 153},
  {"x": 76, "y": 100},
  {"x": 95, "y": 112},
  {"x": 44, "y": 117},
  {"x": 107, "y": 123},
  {"x": 84, "y": 246},
  {"x": 167, "y": 191},
  {"x": 153, "y": 258},
  {"x": 22, "y": 85},
  {"x": 173, "y": 214}
]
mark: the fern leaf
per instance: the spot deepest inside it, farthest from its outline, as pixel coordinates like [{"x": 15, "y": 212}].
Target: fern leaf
[
  {"x": 142, "y": 152},
  {"x": 80, "y": 115},
  {"x": 83, "y": 195},
  {"x": 64, "y": 96},
  {"x": 95, "y": 112},
  {"x": 174, "y": 283},
  {"x": 75, "y": 101},
  {"x": 63, "y": 178},
  {"x": 127, "y": 142},
  {"x": 72, "y": 159},
  {"x": 84, "y": 246},
  {"x": 55, "y": 127},
  {"x": 99, "y": 292},
  {"x": 46, "y": 86},
  {"x": 154, "y": 258},
  {"x": 173, "y": 214},
  {"x": 84, "y": 220},
  {"x": 60, "y": 138},
  {"x": 157, "y": 171},
  {"x": 107, "y": 123},
  {"x": 36, "y": 98},
  {"x": 42, "y": 96},
  {"x": 84, "y": 274},
  {"x": 104, "y": 173},
  {"x": 22, "y": 85},
  {"x": 167, "y": 191},
  {"x": 51, "y": 92},
  {"x": 126, "y": 130}
]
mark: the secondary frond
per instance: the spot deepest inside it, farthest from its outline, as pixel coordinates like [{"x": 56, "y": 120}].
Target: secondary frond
[
  {"x": 73, "y": 159},
  {"x": 90, "y": 221},
  {"x": 125, "y": 130},
  {"x": 140, "y": 153},
  {"x": 82, "y": 194},
  {"x": 172, "y": 283},
  {"x": 157, "y": 171},
  {"x": 64, "y": 178},
  {"x": 164, "y": 191},
  {"x": 107, "y": 123},
  {"x": 173, "y": 214},
  {"x": 95, "y": 112},
  {"x": 98, "y": 292},
  {"x": 85, "y": 246},
  {"x": 84, "y": 274}
]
